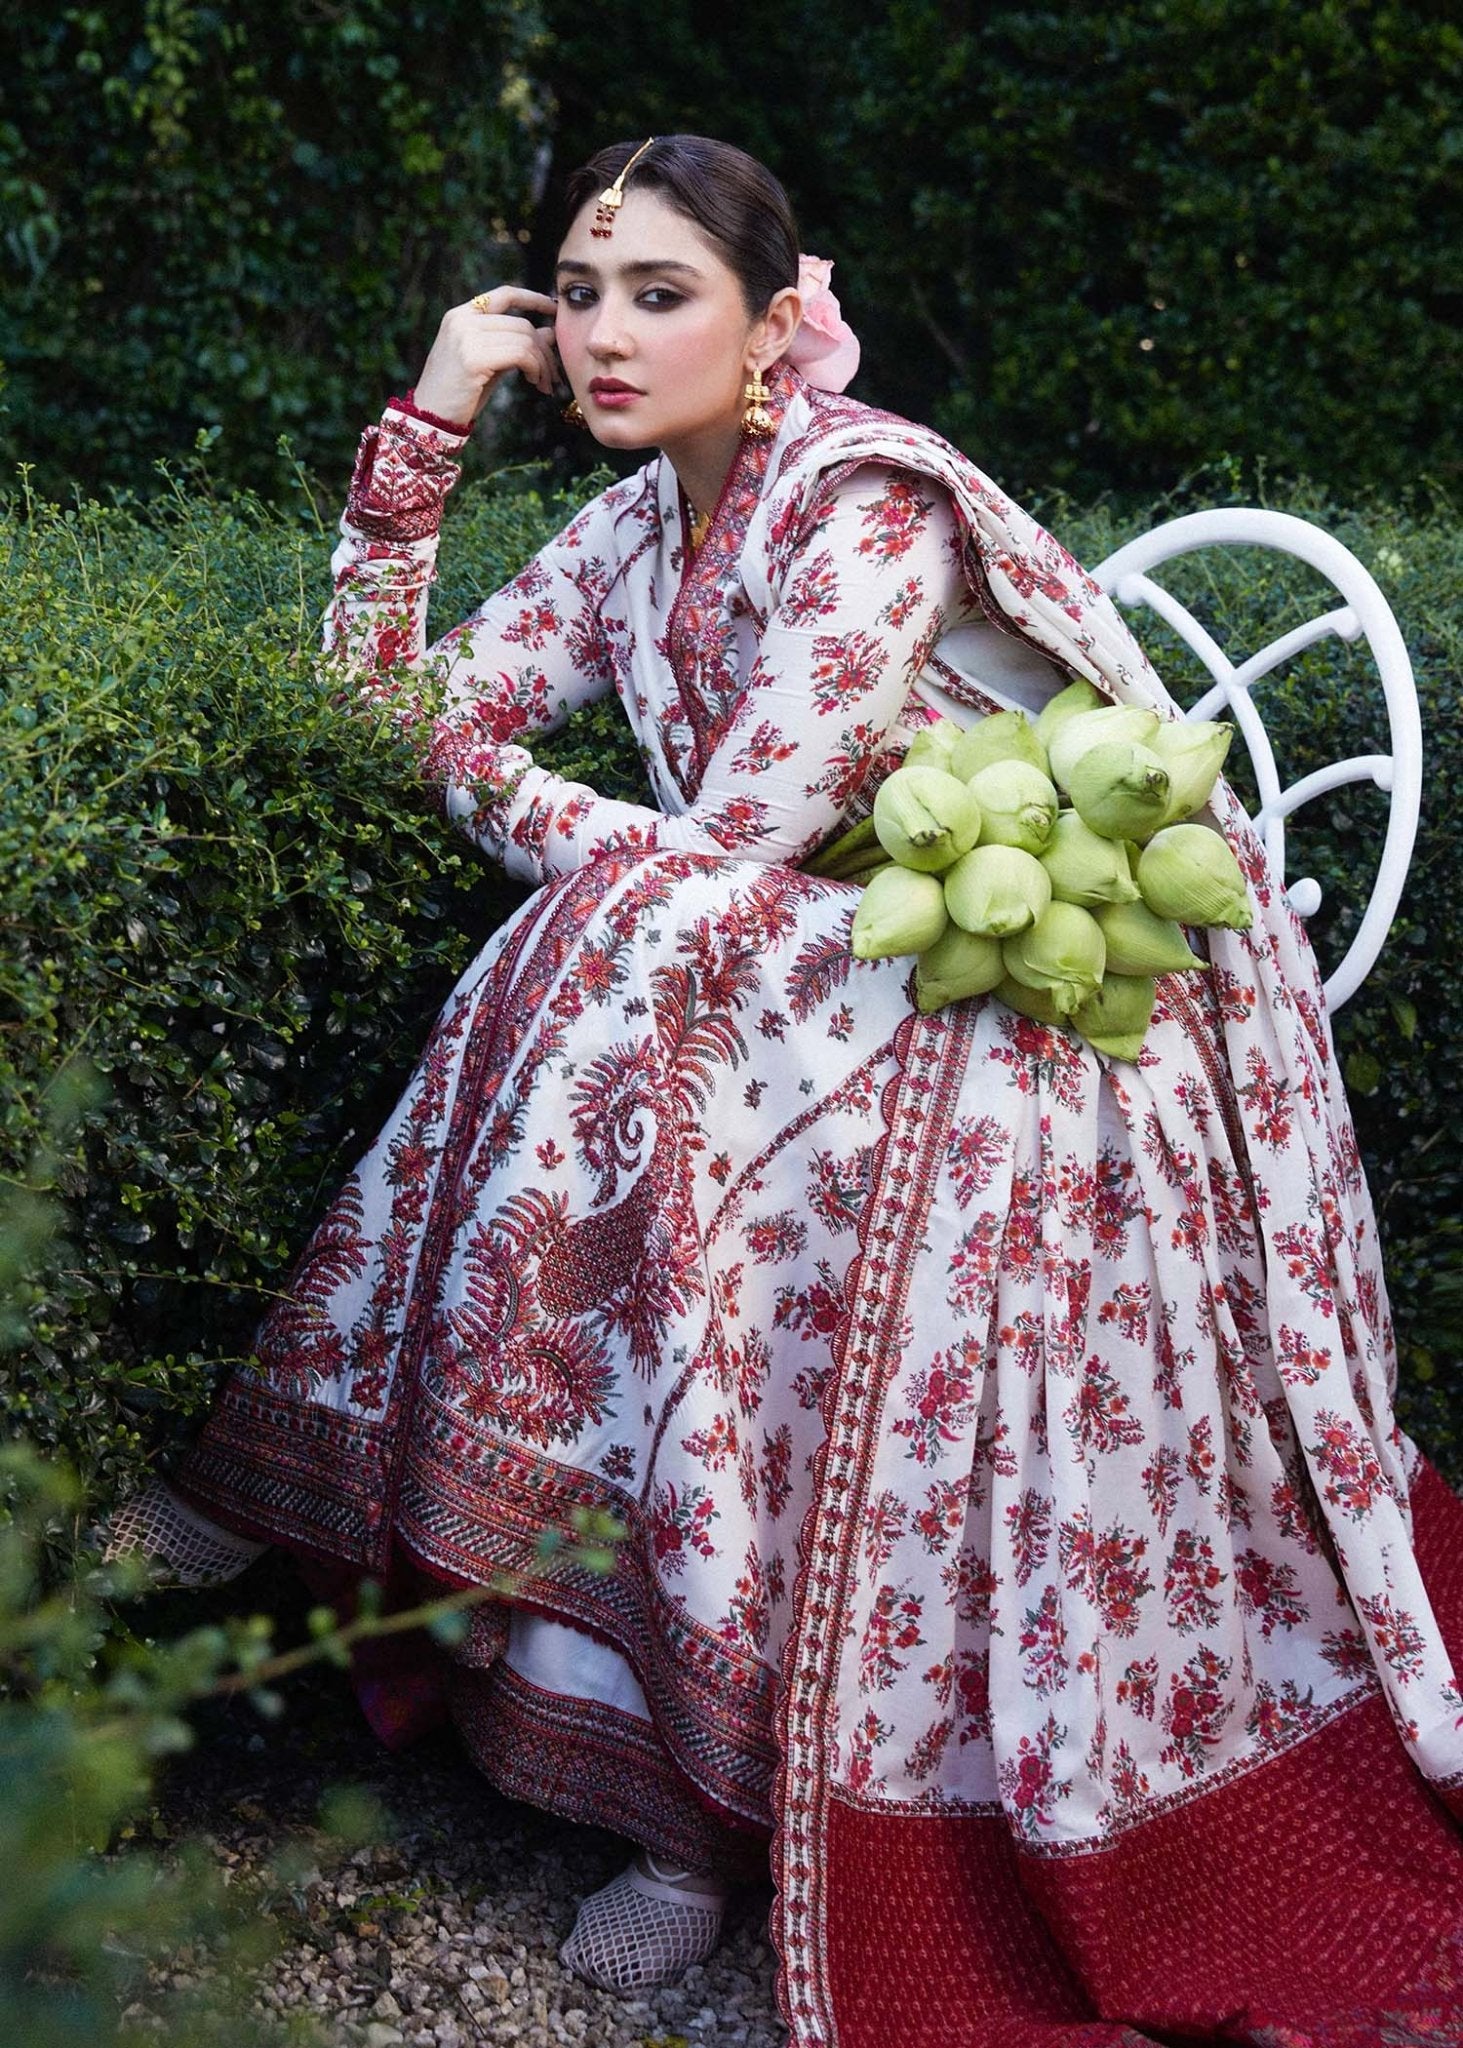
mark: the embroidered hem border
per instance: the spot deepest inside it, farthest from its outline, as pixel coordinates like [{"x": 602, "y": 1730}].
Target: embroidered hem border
[{"x": 594, "y": 1764}]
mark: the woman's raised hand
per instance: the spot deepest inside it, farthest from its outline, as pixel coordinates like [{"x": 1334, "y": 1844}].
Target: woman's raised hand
[{"x": 479, "y": 342}]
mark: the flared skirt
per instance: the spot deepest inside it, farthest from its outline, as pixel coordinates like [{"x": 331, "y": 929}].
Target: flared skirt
[{"x": 1011, "y": 1523}]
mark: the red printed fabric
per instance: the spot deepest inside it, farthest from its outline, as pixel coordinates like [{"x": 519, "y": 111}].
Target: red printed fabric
[
  {"x": 784, "y": 710},
  {"x": 1017, "y": 1529}
]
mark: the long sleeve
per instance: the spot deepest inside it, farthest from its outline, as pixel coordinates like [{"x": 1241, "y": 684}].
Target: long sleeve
[
  {"x": 518, "y": 666},
  {"x": 875, "y": 584}
]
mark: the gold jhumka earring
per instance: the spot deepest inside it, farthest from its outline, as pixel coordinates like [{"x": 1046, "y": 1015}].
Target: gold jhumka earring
[
  {"x": 757, "y": 421},
  {"x": 613, "y": 198},
  {"x": 574, "y": 414}
]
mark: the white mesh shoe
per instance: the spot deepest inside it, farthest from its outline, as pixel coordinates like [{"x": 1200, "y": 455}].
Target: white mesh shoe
[
  {"x": 183, "y": 1547},
  {"x": 645, "y": 1926}
]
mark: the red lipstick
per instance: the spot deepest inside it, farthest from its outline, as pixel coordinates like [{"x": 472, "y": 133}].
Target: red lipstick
[{"x": 612, "y": 392}]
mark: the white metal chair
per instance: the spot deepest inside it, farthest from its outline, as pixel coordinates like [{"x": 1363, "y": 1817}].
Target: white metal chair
[{"x": 1364, "y": 613}]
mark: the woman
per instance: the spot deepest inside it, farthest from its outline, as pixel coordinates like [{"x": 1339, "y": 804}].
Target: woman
[{"x": 1017, "y": 1532}]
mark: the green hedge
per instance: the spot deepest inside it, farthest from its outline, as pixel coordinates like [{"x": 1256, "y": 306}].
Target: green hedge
[{"x": 219, "y": 894}]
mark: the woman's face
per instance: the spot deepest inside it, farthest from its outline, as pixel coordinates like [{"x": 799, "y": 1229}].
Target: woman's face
[{"x": 652, "y": 328}]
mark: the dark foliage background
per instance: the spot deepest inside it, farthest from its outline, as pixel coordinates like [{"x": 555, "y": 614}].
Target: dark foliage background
[{"x": 1096, "y": 243}]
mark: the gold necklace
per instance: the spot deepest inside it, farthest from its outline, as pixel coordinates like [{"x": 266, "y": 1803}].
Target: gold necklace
[{"x": 700, "y": 527}]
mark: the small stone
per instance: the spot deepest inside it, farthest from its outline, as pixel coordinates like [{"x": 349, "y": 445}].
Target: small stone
[
  {"x": 386, "y": 2007},
  {"x": 379, "y": 2036}
]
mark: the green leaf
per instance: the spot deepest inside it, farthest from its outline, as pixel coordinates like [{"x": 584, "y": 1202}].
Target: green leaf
[{"x": 1363, "y": 1073}]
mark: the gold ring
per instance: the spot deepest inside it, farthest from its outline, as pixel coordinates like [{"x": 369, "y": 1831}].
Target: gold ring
[{"x": 480, "y": 303}]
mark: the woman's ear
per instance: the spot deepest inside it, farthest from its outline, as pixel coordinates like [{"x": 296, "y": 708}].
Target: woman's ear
[{"x": 773, "y": 333}]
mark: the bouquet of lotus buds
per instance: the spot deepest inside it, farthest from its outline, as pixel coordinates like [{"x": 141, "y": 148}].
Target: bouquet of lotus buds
[{"x": 1051, "y": 863}]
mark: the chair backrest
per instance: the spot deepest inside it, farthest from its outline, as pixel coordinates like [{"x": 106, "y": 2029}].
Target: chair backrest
[{"x": 1364, "y": 613}]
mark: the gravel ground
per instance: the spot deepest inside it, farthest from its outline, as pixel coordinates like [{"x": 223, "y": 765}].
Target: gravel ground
[{"x": 445, "y": 1935}]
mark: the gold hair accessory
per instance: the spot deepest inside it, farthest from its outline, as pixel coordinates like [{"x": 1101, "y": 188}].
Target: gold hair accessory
[
  {"x": 757, "y": 420},
  {"x": 574, "y": 414},
  {"x": 613, "y": 197}
]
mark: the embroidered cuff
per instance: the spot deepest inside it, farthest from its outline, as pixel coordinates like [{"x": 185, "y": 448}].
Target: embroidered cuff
[
  {"x": 409, "y": 406},
  {"x": 402, "y": 476}
]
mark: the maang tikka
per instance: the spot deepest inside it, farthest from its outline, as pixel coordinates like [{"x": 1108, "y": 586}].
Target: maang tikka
[{"x": 613, "y": 198}]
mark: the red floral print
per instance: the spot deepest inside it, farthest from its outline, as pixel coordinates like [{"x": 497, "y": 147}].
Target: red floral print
[
  {"x": 1191, "y": 1581},
  {"x": 1196, "y": 1710}
]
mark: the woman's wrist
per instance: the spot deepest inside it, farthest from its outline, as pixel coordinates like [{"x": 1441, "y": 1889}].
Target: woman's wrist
[{"x": 449, "y": 396}]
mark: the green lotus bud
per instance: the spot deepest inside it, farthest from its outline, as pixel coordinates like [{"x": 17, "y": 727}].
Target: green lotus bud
[
  {"x": 925, "y": 818},
  {"x": 1116, "y": 1019},
  {"x": 1063, "y": 954},
  {"x": 1089, "y": 729},
  {"x": 1003, "y": 736},
  {"x": 1018, "y": 805},
  {"x": 1188, "y": 872},
  {"x": 1193, "y": 754},
  {"x": 900, "y": 911},
  {"x": 1069, "y": 703},
  {"x": 1119, "y": 790},
  {"x": 1084, "y": 867},
  {"x": 1030, "y": 1002},
  {"x": 1138, "y": 942},
  {"x": 958, "y": 964},
  {"x": 933, "y": 745},
  {"x": 997, "y": 891}
]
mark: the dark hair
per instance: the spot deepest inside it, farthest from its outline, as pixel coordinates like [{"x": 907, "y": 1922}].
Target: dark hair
[{"x": 734, "y": 200}]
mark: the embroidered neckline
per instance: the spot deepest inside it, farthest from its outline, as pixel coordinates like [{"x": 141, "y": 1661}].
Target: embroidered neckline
[{"x": 706, "y": 570}]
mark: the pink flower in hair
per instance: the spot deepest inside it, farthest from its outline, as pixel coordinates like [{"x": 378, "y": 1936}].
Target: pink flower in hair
[{"x": 825, "y": 348}]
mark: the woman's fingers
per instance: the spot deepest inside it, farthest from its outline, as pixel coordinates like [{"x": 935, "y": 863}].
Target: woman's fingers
[
  {"x": 506, "y": 342},
  {"x": 479, "y": 341},
  {"x": 548, "y": 359},
  {"x": 509, "y": 298}
]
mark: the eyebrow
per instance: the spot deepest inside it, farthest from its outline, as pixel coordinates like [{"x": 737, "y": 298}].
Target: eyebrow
[{"x": 569, "y": 267}]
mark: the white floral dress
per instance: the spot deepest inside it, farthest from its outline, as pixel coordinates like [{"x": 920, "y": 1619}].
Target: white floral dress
[{"x": 1017, "y": 1529}]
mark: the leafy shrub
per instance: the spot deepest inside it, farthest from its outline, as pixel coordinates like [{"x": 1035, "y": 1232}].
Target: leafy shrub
[
  {"x": 222, "y": 893},
  {"x": 83, "y": 1729},
  {"x": 218, "y": 890}
]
